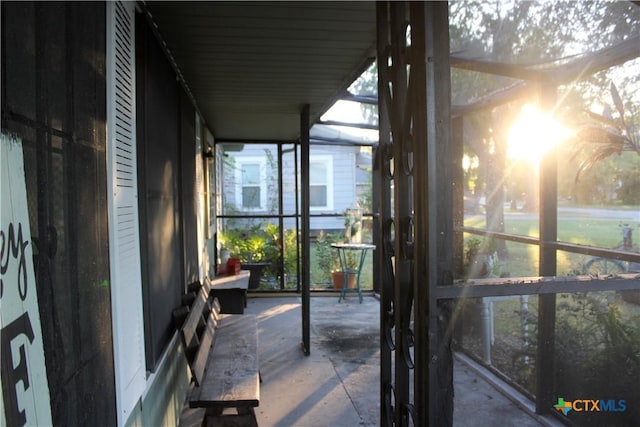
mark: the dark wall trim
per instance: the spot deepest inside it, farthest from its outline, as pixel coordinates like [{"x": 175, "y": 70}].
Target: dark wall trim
[{"x": 158, "y": 139}]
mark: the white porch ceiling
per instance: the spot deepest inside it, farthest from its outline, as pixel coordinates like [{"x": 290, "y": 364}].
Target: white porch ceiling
[{"x": 251, "y": 66}]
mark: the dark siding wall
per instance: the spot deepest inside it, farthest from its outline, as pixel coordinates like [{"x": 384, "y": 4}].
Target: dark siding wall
[
  {"x": 189, "y": 193},
  {"x": 166, "y": 151},
  {"x": 53, "y": 98}
]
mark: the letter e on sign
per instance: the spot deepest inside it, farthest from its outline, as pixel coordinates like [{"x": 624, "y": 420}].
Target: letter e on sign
[{"x": 25, "y": 391}]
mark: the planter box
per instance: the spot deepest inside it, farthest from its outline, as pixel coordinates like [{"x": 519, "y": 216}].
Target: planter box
[
  {"x": 255, "y": 269},
  {"x": 231, "y": 291}
]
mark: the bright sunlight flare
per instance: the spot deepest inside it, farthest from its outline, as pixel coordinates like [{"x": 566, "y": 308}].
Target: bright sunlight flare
[{"x": 533, "y": 134}]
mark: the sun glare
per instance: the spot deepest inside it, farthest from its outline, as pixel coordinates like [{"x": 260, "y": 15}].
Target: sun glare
[
  {"x": 344, "y": 111},
  {"x": 533, "y": 134}
]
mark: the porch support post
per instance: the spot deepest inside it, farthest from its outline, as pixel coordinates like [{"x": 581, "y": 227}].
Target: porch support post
[
  {"x": 433, "y": 194},
  {"x": 548, "y": 205},
  {"x": 397, "y": 303},
  {"x": 384, "y": 252},
  {"x": 416, "y": 153},
  {"x": 457, "y": 153},
  {"x": 305, "y": 226},
  {"x": 396, "y": 93}
]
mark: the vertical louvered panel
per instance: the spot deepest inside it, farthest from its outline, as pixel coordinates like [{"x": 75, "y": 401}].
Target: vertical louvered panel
[
  {"x": 203, "y": 260},
  {"x": 124, "y": 244}
]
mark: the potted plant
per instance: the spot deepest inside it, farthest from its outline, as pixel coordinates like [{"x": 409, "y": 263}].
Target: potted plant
[
  {"x": 329, "y": 264},
  {"x": 347, "y": 272},
  {"x": 255, "y": 247},
  {"x": 338, "y": 276}
]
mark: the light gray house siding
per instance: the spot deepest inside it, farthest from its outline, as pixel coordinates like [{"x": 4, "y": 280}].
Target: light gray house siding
[{"x": 339, "y": 162}]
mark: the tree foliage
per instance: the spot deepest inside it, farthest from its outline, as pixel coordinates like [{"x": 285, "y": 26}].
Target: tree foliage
[
  {"x": 367, "y": 85},
  {"x": 542, "y": 34},
  {"x": 607, "y": 134}
]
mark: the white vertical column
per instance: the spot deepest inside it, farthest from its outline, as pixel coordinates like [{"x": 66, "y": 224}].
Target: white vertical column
[{"x": 124, "y": 235}]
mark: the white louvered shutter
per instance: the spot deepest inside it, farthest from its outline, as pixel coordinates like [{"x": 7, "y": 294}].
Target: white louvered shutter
[{"x": 124, "y": 235}]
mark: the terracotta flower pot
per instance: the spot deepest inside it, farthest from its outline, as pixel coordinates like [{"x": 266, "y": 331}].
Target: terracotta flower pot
[{"x": 338, "y": 278}]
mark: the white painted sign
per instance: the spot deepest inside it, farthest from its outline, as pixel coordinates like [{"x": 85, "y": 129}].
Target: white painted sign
[{"x": 25, "y": 391}]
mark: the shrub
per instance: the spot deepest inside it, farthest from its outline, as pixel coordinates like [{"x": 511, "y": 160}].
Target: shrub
[{"x": 598, "y": 357}]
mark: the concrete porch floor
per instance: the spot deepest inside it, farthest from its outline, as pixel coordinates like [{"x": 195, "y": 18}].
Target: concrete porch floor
[{"x": 338, "y": 383}]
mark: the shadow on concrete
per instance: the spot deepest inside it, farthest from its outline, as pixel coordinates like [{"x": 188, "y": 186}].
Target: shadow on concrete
[{"x": 338, "y": 383}]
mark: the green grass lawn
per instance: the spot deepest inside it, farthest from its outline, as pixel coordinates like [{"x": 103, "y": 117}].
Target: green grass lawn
[
  {"x": 523, "y": 259},
  {"x": 509, "y": 353}
]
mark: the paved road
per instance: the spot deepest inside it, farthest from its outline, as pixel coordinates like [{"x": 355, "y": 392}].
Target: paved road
[
  {"x": 595, "y": 213},
  {"x": 627, "y": 216}
]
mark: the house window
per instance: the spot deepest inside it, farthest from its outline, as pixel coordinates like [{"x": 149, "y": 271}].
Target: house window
[
  {"x": 321, "y": 182},
  {"x": 251, "y": 179}
]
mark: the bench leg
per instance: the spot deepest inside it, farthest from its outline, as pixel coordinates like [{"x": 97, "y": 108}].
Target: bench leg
[
  {"x": 250, "y": 414},
  {"x": 210, "y": 415},
  {"x": 245, "y": 417}
]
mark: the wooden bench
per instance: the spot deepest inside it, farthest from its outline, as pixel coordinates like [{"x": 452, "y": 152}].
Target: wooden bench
[{"x": 222, "y": 351}]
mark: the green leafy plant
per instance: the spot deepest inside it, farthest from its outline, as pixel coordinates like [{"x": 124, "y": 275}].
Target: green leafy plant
[
  {"x": 606, "y": 134},
  {"x": 480, "y": 258},
  {"x": 291, "y": 253},
  {"x": 327, "y": 261},
  {"x": 598, "y": 354},
  {"x": 256, "y": 244},
  {"x": 326, "y": 256}
]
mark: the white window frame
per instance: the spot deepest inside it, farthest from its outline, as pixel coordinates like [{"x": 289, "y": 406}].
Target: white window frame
[
  {"x": 240, "y": 162},
  {"x": 327, "y": 160}
]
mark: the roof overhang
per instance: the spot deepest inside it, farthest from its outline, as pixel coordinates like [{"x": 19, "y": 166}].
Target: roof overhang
[{"x": 252, "y": 66}]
